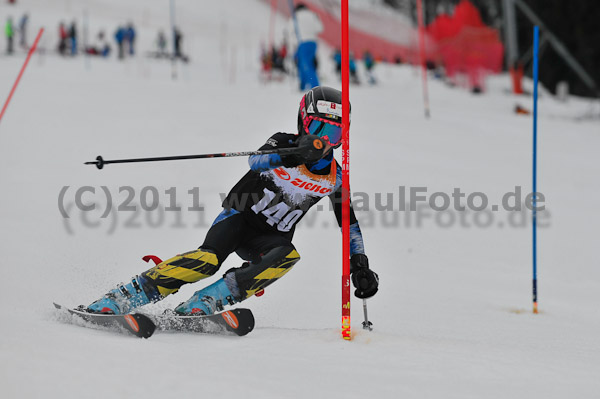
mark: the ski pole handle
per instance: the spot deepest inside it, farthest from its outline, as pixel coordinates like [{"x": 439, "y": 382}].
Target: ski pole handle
[{"x": 100, "y": 162}]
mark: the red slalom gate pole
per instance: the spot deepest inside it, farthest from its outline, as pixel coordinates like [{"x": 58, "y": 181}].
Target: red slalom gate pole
[
  {"x": 12, "y": 91},
  {"x": 345, "y": 175}
]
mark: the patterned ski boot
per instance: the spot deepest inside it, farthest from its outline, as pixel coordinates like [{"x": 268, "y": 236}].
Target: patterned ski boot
[
  {"x": 209, "y": 300},
  {"x": 125, "y": 298}
]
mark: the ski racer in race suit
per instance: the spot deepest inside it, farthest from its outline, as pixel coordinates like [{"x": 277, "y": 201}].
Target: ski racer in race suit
[{"x": 258, "y": 222}]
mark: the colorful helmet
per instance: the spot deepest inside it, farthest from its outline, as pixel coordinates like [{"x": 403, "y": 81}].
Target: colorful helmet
[{"x": 320, "y": 114}]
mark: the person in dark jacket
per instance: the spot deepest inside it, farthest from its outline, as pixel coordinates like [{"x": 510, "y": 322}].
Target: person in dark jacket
[
  {"x": 369, "y": 65},
  {"x": 129, "y": 38},
  {"x": 62, "y": 34},
  {"x": 178, "y": 37}
]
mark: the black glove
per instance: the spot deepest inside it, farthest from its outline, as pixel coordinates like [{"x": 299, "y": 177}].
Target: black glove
[
  {"x": 364, "y": 279},
  {"x": 309, "y": 149}
]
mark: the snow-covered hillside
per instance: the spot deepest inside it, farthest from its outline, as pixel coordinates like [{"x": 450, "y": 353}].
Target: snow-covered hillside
[{"x": 453, "y": 316}]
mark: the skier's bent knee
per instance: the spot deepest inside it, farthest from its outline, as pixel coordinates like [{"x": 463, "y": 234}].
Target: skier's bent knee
[
  {"x": 252, "y": 277},
  {"x": 188, "y": 267},
  {"x": 241, "y": 283}
]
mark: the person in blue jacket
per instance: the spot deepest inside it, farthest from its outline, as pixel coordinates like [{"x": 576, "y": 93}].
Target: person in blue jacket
[
  {"x": 129, "y": 37},
  {"x": 309, "y": 26},
  {"x": 120, "y": 39}
]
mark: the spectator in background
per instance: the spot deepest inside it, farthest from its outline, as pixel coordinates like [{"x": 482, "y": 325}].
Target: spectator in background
[
  {"x": 278, "y": 58},
  {"x": 178, "y": 39},
  {"x": 102, "y": 47},
  {"x": 369, "y": 64},
  {"x": 73, "y": 38},
  {"x": 161, "y": 44},
  {"x": 283, "y": 50},
  {"x": 352, "y": 68},
  {"x": 23, "y": 30},
  {"x": 265, "y": 58},
  {"x": 10, "y": 33},
  {"x": 337, "y": 59},
  {"x": 130, "y": 38},
  {"x": 309, "y": 27},
  {"x": 62, "y": 34},
  {"x": 120, "y": 39}
]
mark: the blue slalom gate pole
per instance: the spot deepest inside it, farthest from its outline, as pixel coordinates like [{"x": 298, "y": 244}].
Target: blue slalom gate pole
[{"x": 536, "y": 40}]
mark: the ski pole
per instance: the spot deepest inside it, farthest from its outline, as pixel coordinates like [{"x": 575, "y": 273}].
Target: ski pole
[
  {"x": 367, "y": 325},
  {"x": 100, "y": 162}
]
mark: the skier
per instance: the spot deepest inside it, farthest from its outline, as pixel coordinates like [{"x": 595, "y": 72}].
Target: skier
[{"x": 258, "y": 222}]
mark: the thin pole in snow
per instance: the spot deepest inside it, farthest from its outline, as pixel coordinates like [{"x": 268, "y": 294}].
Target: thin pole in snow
[
  {"x": 293, "y": 14},
  {"x": 536, "y": 40},
  {"x": 367, "y": 325},
  {"x": 86, "y": 56},
  {"x": 233, "y": 65},
  {"x": 422, "y": 57},
  {"x": 272, "y": 25},
  {"x": 173, "y": 26},
  {"x": 271, "y": 41}
]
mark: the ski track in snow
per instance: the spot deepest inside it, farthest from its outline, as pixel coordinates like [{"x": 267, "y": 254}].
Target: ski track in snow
[{"x": 453, "y": 315}]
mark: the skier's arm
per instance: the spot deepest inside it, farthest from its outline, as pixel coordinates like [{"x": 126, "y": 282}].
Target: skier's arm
[
  {"x": 262, "y": 163},
  {"x": 357, "y": 245},
  {"x": 364, "y": 279},
  {"x": 306, "y": 152}
]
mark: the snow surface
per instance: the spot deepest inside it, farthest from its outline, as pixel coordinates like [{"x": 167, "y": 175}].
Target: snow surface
[{"x": 453, "y": 316}]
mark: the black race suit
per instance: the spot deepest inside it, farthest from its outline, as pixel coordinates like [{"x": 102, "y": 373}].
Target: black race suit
[{"x": 261, "y": 211}]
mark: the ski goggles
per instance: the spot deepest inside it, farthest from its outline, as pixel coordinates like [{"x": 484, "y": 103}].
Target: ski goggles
[{"x": 329, "y": 131}]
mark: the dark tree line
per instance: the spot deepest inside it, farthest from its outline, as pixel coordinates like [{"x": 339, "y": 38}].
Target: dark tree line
[{"x": 575, "y": 22}]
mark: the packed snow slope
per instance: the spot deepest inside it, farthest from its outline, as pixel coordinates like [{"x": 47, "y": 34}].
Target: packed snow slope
[{"x": 453, "y": 315}]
